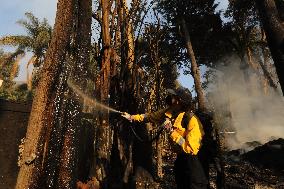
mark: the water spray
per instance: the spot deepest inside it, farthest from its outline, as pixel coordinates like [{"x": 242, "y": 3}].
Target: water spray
[{"x": 92, "y": 102}]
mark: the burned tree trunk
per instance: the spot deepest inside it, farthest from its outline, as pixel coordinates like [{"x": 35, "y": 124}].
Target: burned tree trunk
[
  {"x": 195, "y": 72},
  {"x": 104, "y": 133},
  {"x": 34, "y": 144},
  {"x": 106, "y": 51},
  {"x": 69, "y": 162},
  {"x": 274, "y": 30},
  {"x": 129, "y": 37}
]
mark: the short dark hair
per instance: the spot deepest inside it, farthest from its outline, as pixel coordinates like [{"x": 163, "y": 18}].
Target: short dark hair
[{"x": 183, "y": 94}]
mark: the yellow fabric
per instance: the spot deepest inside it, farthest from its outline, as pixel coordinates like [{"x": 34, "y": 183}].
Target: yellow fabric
[
  {"x": 177, "y": 124},
  {"x": 193, "y": 135},
  {"x": 175, "y": 135},
  {"x": 138, "y": 117},
  {"x": 169, "y": 114}
]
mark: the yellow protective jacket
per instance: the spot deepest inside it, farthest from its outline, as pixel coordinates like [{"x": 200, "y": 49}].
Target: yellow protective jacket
[{"x": 188, "y": 138}]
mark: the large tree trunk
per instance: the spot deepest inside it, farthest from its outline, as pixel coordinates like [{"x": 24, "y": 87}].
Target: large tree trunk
[
  {"x": 31, "y": 169},
  {"x": 194, "y": 69},
  {"x": 274, "y": 30},
  {"x": 69, "y": 162}
]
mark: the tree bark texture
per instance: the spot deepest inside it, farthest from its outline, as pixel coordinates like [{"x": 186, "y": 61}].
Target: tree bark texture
[
  {"x": 129, "y": 34},
  {"x": 104, "y": 132},
  {"x": 274, "y": 30},
  {"x": 194, "y": 68},
  {"x": 30, "y": 76},
  {"x": 105, "y": 77},
  {"x": 34, "y": 144},
  {"x": 69, "y": 162}
]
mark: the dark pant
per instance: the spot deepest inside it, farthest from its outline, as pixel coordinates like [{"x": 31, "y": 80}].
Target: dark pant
[{"x": 189, "y": 172}]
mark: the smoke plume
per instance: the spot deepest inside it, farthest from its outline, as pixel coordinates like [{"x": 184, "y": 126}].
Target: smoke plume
[{"x": 241, "y": 104}]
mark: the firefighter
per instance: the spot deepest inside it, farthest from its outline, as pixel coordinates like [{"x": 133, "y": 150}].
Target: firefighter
[{"x": 186, "y": 132}]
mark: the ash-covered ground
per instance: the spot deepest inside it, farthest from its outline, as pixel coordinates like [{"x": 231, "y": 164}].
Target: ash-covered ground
[{"x": 260, "y": 168}]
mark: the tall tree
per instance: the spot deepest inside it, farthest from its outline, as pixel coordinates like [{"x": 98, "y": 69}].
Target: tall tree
[
  {"x": 245, "y": 35},
  {"x": 194, "y": 23},
  {"x": 274, "y": 30},
  {"x": 104, "y": 132},
  {"x": 69, "y": 169},
  {"x": 158, "y": 60},
  {"x": 36, "y": 41},
  {"x": 195, "y": 72},
  {"x": 31, "y": 168}
]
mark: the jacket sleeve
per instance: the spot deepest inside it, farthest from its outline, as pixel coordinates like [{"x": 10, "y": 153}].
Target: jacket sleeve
[
  {"x": 190, "y": 140},
  {"x": 154, "y": 117}
]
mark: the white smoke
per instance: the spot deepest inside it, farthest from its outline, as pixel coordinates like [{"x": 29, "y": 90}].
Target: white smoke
[{"x": 254, "y": 115}]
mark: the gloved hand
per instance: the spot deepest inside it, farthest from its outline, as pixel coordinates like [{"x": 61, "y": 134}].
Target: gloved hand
[
  {"x": 177, "y": 138},
  {"x": 168, "y": 125},
  {"x": 127, "y": 116}
]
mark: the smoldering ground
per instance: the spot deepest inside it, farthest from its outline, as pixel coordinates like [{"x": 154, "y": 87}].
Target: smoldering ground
[{"x": 247, "y": 105}]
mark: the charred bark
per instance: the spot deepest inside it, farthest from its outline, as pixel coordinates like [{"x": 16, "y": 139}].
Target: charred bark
[
  {"x": 104, "y": 132},
  {"x": 274, "y": 30},
  {"x": 69, "y": 161}
]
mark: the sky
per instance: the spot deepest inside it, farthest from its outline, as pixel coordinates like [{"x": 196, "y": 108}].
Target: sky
[{"x": 13, "y": 10}]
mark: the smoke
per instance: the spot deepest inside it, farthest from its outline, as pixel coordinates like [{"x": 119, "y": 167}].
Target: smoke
[{"x": 241, "y": 105}]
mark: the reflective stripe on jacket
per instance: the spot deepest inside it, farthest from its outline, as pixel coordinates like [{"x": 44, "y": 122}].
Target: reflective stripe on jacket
[{"x": 188, "y": 138}]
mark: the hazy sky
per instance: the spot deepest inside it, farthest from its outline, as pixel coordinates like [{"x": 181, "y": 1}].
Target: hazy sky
[{"x": 13, "y": 10}]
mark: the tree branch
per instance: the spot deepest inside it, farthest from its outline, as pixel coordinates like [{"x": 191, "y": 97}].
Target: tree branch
[{"x": 96, "y": 16}]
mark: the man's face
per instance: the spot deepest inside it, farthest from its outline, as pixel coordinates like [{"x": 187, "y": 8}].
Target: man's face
[{"x": 176, "y": 103}]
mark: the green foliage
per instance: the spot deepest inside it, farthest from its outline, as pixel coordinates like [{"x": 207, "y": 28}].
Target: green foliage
[
  {"x": 243, "y": 30},
  {"x": 204, "y": 25},
  {"x": 37, "y": 38},
  {"x": 158, "y": 55},
  {"x": 36, "y": 41},
  {"x": 8, "y": 90},
  {"x": 19, "y": 94}
]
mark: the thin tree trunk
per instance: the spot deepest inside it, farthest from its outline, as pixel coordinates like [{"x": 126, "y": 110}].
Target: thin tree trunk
[
  {"x": 129, "y": 36},
  {"x": 15, "y": 67},
  {"x": 251, "y": 62},
  {"x": 104, "y": 133},
  {"x": 266, "y": 77},
  {"x": 31, "y": 169},
  {"x": 194, "y": 69},
  {"x": 105, "y": 79},
  {"x": 30, "y": 76},
  {"x": 274, "y": 30}
]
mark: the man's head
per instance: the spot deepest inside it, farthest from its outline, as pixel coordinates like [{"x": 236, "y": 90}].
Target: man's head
[{"x": 179, "y": 98}]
